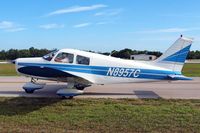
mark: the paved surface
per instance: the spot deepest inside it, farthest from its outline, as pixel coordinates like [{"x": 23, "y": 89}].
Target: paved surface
[
  {"x": 4, "y": 62},
  {"x": 197, "y": 61},
  {"x": 12, "y": 87}
]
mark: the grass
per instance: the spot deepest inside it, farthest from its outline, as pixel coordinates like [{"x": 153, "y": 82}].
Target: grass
[
  {"x": 192, "y": 70},
  {"x": 7, "y": 70},
  {"x": 99, "y": 115}
]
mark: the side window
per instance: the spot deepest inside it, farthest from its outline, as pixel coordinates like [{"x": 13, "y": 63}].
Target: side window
[
  {"x": 64, "y": 58},
  {"x": 82, "y": 60}
]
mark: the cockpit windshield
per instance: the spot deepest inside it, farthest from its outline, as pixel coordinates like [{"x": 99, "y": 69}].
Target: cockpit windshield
[{"x": 49, "y": 56}]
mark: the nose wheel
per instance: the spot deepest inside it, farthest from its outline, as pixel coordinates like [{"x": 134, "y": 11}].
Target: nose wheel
[{"x": 30, "y": 87}]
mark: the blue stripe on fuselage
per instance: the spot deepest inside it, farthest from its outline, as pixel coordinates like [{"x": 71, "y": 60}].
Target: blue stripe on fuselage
[{"x": 102, "y": 70}]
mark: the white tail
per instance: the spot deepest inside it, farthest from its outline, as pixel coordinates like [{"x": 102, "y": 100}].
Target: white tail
[{"x": 174, "y": 58}]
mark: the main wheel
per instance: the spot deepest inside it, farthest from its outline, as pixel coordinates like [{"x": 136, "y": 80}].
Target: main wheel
[
  {"x": 29, "y": 91},
  {"x": 80, "y": 87},
  {"x": 67, "y": 97}
]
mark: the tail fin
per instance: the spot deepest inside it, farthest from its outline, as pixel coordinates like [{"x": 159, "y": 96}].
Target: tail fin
[{"x": 174, "y": 58}]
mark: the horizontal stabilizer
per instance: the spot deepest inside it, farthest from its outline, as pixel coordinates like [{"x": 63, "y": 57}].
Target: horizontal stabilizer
[{"x": 178, "y": 77}]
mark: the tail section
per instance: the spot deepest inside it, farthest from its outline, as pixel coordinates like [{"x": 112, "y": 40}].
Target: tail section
[{"x": 174, "y": 58}]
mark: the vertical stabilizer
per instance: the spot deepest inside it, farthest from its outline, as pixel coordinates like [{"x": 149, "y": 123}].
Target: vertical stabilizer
[{"x": 174, "y": 58}]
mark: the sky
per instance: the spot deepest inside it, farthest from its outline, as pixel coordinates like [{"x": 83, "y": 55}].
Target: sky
[{"x": 98, "y": 25}]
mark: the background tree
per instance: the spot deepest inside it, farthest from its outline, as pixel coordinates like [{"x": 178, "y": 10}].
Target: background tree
[{"x": 124, "y": 53}]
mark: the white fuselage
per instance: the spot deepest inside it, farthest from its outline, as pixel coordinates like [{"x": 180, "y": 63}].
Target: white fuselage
[{"x": 101, "y": 69}]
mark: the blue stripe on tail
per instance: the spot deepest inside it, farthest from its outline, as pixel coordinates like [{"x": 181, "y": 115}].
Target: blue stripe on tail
[{"x": 179, "y": 56}]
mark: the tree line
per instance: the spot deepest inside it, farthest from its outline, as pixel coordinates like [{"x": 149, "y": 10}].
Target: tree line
[
  {"x": 124, "y": 53},
  {"x": 16, "y": 53}
]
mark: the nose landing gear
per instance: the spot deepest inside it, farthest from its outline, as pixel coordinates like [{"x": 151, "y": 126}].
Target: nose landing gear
[{"x": 30, "y": 87}]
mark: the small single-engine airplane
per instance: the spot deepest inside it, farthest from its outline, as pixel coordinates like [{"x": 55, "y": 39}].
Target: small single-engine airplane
[{"x": 81, "y": 69}]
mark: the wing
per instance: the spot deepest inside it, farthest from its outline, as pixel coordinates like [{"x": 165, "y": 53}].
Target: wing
[{"x": 80, "y": 77}]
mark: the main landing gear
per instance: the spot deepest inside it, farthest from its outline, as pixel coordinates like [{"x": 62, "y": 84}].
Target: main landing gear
[{"x": 69, "y": 92}]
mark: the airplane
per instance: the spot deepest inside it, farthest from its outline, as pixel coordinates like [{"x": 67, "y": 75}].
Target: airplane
[{"x": 81, "y": 69}]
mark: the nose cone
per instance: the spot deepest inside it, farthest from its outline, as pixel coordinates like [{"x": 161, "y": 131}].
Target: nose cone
[{"x": 21, "y": 63}]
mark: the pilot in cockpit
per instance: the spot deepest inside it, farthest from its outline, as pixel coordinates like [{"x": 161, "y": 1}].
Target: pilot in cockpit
[{"x": 63, "y": 58}]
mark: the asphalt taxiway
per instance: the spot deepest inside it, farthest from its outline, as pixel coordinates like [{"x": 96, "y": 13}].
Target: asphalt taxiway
[{"x": 12, "y": 87}]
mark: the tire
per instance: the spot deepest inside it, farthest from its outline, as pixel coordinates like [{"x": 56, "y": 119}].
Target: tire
[
  {"x": 80, "y": 88},
  {"x": 67, "y": 97},
  {"x": 29, "y": 91}
]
